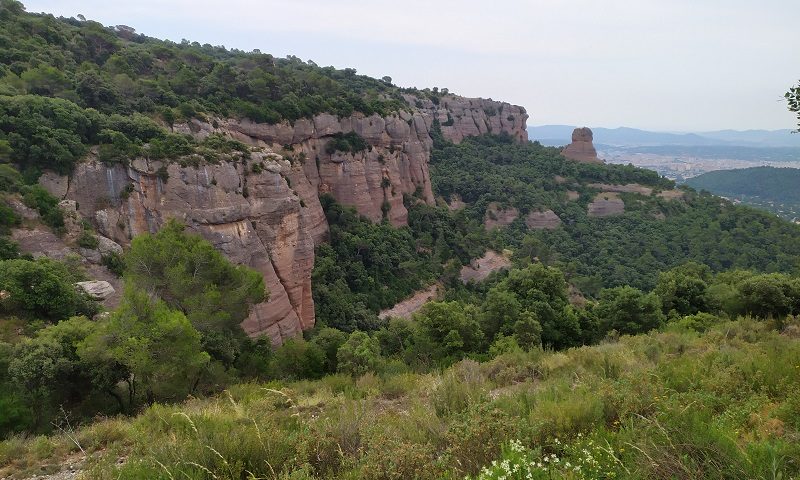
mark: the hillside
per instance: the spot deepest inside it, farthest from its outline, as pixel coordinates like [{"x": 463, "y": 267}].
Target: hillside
[
  {"x": 676, "y": 404},
  {"x": 198, "y": 248},
  {"x": 768, "y": 188}
]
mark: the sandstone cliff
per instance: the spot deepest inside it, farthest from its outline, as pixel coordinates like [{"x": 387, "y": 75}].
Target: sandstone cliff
[{"x": 270, "y": 218}]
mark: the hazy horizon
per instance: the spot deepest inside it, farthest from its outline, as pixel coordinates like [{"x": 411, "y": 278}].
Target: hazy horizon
[{"x": 680, "y": 66}]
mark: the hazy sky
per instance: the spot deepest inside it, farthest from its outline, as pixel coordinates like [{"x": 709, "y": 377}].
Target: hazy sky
[{"x": 656, "y": 64}]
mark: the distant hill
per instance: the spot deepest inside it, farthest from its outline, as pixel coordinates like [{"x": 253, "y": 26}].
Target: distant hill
[
  {"x": 555, "y": 135},
  {"x": 771, "y": 188}
]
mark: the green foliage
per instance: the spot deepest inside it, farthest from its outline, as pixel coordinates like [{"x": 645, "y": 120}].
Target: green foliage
[
  {"x": 147, "y": 337},
  {"x": 366, "y": 267},
  {"x": 536, "y": 294},
  {"x": 329, "y": 340},
  {"x": 652, "y": 235},
  {"x": 793, "y": 100},
  {"x": 451, "y": 328},
  {"x": 114, "y": 262},
  {"x": 47, "y": 206},
  {"x": 115, "y": 70},
  {"x": 683, "y": 289},
  {"x": 41, "y": 289},
  {"x": 190, "y": 275},
  {"x": 87, "y": 240},
  {"x": 661, "y": 406},
  {"x": 358, "y": 355},
  {"x": 770, "y": 188},
  {"x": 350, "y": 142},
  {"x": 629, "y": 311},
  {"x": 297, "y": 359}
]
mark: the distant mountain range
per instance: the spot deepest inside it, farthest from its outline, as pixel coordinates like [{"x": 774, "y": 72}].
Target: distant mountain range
[{"x": 557, "y": 135}]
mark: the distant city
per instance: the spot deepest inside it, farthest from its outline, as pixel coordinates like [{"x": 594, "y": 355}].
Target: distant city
[{"x": 680, "y": 156}]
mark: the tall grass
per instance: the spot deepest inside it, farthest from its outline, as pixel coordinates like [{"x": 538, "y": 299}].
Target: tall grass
[{"x": 670, "y": 405}]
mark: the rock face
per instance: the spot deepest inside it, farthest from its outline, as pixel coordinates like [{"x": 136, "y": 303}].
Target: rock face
[
  {"x": 271, "y": 218},
  {"x": 412, "y": 304},
  {"x": 481, "y": 268},
  {"x": 546, "y": 220},
  {"x": 606, "y": 204},
  {"x": 497, "y": 217},
  {"x": 581, "y": 149},
  {"x": 97, "y": 289}
]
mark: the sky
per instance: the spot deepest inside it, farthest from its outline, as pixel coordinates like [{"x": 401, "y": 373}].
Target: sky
[{"x": 669, "y": 65}]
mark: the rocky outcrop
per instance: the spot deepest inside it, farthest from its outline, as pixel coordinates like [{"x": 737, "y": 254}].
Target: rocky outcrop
[
  {"x": 480, "y": 268},
  {"x": 256, "y": 219},
  {"x": 497, "y": 216},
  {"x": 412, "y": 304},
  {"x": 606, "y": 204},
  {"x": 627, "y": 188},
  {"x": 547, "y": 220},
  {"x": 269, "y": 217},
  {"x": 461, "y": 117},
  {"x": 97, "y": 289},
  {"x": 581, "y": 149}
]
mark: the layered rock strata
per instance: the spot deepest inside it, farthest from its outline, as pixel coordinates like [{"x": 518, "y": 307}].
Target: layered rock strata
[{"x": 270, "y": 217}]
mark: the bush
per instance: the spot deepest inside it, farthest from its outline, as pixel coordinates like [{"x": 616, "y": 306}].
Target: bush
[{"x": 358, "y": 355}]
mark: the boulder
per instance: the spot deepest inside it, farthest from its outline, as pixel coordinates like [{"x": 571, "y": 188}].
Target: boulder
[{"x": 97, "y": 289}]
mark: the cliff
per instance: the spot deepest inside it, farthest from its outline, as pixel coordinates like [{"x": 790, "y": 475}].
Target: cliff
[{"x": 269, "y": 217}]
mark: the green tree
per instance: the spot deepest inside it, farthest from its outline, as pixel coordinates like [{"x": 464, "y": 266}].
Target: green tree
[
  {"x": 359, "y": 354},
  {"x": 156, "y": 344},
  {"x": 629, "y": 310},
  {"x": 528, "y": 331},
  {"x": 542, "y": 291},
  {"x": 451, "y": 327},
  {"x": 501, "y": 309},
  {"x": 43, "y": 289},
  {"x": 770, "y": 295},
  {"x": 793, "y": 101},
  {"x": 190, "y": 275},
  {"x": 683, "y": 289},
  {"x": 329, "y": 340},
  {"x": 297, "y": 359}
]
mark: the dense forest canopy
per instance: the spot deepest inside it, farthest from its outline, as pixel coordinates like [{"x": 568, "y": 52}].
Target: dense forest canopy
[
  {"x": 116, "y": 70},
  {"x": 652, "y": 235}
]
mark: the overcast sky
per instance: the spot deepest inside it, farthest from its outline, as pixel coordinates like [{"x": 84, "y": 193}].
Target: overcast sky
[{"x": 677, "y": 65}]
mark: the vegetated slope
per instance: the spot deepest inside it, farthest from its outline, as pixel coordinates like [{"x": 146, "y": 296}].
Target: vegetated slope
[
  {"x": 117, "y": 70},
  {"x": 676, "y": 404},
  {"x": 771, "y": 188},
  {"x": 654, "y": 233}
]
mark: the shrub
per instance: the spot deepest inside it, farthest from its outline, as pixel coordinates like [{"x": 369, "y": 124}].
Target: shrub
[{"x": 358, "y": 355}]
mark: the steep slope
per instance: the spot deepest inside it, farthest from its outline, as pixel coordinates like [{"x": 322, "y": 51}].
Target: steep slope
[
  {"x": 272, "y": 220},
  {"x": 73, "y": 90}
]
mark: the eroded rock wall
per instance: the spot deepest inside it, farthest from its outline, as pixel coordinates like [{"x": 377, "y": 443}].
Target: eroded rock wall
[{"x": 272, "y": 220}]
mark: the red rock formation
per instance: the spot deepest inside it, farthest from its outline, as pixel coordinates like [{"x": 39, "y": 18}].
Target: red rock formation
[
  {"x": 581, "y": 149},
  {"x": 546, "y": 220},
  {"x": 497, "y": 217},
  {"x": 272, "y": 220},
  {"x": 606, "y": 204}
]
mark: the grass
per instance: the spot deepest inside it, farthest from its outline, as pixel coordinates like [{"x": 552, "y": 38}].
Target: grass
[{"x": 671, "y": 405}]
